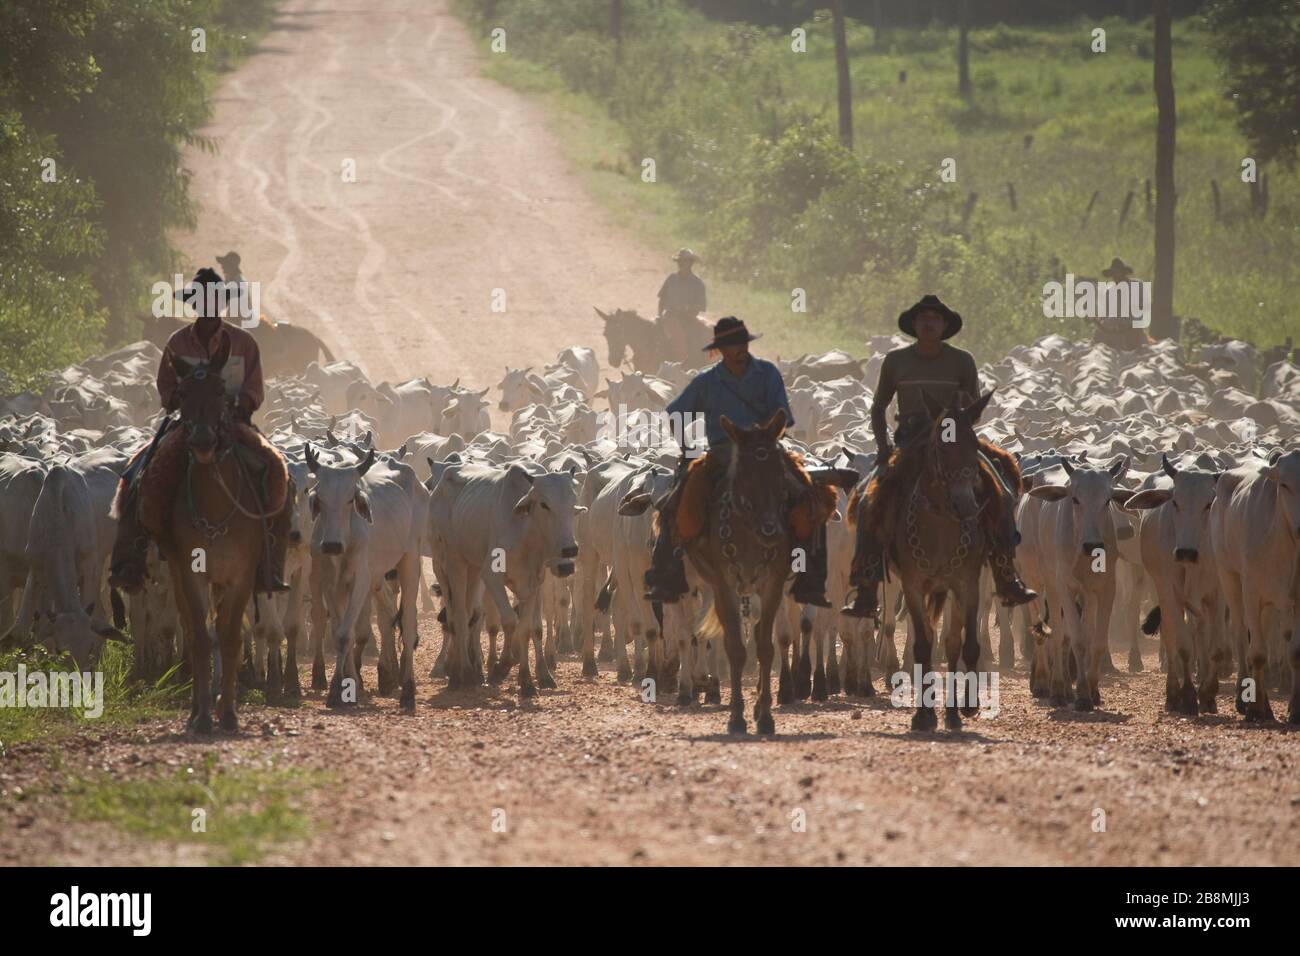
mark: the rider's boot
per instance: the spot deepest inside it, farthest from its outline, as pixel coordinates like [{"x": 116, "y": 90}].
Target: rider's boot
[
  {"x": 130, "y": 551},
  {"x": 1008, "y": 587},
  {"x": 869, "y": 572},
  {"x": 666, "y": 578},
  {"x": 275, "y": 546},
  {"x": 810, "y": 583}
]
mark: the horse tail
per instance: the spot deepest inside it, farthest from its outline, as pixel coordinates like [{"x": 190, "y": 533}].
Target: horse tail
[{"x": 934, "y": 605}]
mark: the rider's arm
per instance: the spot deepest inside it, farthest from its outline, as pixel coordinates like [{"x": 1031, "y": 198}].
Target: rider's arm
[
  {"x": 166, "y": 380},
  {"x": 970, "y": 378},
  {"x": 776, "y": 396},
  {"x": 251, "y": 392},
  {"x": 884, "y": 394},
  {"x": 663, "y": 294},
  {"x": 699, "y": 301}
]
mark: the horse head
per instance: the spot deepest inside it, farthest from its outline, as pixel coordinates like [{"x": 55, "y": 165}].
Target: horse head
[
  {"x": 615, "y": 336},
  {"x": 953, "y": 452},
  {"x": 205, "y": 412},
  {"x": 757, "y": 479}
]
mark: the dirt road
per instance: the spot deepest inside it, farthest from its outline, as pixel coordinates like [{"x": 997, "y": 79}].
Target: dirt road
[
  {"x": 461, "y": 200},
  {"x": 459, "y": 191}
]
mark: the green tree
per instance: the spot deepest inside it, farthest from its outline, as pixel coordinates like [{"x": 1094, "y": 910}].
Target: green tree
[{"x": 1258, "y": 43}]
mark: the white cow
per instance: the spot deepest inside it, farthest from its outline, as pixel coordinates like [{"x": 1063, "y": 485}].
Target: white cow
[
  {"x": 366, "y": 525},
  {"x": 1255, "y": 531},
  {"x": 1076, "y": 550},
  {"x": 494, "y": 529},
  {"x": 1176, "y": 552}
]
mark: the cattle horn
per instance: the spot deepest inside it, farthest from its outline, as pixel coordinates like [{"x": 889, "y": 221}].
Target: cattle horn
[
  {"x": 365, "y": 465},
  {"x": 309, "y": 454},
  {"x": 1169, "y": 469}
]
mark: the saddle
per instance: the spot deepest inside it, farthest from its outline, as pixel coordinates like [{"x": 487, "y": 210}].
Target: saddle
[
  {"x": 813, "y": 509},
  {"x": 164, "y": 475},
  {"x": 883, "y": 499}
]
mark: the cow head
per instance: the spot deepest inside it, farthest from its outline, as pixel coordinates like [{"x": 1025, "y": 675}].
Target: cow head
[
  {"x": 1090, "y": 492},
  {"x": 550, "y": 503},
  {"x": 1190, "y": 499},
  {"x": 1284, "y": 470},
  {"x": 368, "y": 400},
  {"x": 338, "y": 495},
  {"x": 522, "y": 387}
]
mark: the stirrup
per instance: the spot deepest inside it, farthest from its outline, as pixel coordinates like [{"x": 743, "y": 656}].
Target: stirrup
[
  {"x": 860, "y": 607},
  {"x": 814, "y": 596}
]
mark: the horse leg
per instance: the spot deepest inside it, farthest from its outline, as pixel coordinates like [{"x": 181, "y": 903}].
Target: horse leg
[
  {"x": 955, "y": 618},
  {"x": 972, "y": 654},
  {"x": 192, "y": 608},
  {"x": 230, "y": 618},
  {"x": 729, "y": 614},
  {"x": 785, "y": 678},
  {"x": 921, "y": 638},
  {"x": 763, "y": 721}
]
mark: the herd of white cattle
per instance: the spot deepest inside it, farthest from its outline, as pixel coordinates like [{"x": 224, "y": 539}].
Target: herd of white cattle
[{"x": 1160, "y": 494}]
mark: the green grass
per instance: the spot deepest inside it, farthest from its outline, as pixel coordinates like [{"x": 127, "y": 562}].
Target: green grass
[
  {"x": 126, "y": 701},
  {"x": 699, "y": 95},
  {"x": 247, "y": 811}
]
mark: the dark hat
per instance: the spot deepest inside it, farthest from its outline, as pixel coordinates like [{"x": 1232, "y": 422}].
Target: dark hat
[
  {"x": 196, "y": 286},
  {"x": 729, "y": 330},
  {"x": 1119, "y": 270},
  {"x": 930, "y": 303},
  {"x": 229, "y": 261},
  {"x": 685, "y": 253}
]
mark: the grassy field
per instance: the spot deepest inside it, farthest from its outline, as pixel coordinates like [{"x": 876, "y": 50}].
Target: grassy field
[{"x": 1091, "y": 117}]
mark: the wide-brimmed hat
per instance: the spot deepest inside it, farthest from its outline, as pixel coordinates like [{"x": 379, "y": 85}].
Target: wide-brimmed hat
[
  {"x": 729, "y": 330},
  {"x": 229, "y": 261},
  {"x": 198, "y": 285},
  {"x": 930, "y": 303},
  {"x": 1119, "y": 270},
  {"x": 684, "y": 253}
]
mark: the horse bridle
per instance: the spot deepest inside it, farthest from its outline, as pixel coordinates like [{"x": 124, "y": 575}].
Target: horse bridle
[
  {"x": 761, "y": 452},
  {"x": 946, "y": 477}
]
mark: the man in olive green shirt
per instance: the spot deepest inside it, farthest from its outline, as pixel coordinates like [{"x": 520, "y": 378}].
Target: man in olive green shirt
[{"x": 947, "y": 374}]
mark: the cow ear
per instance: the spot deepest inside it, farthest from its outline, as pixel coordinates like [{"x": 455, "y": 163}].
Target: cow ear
[
  {"x": 1119, "y": 497},
  {"x": 634, "y": 503},
  {"x": 109, "y": 632},
  {"x": 973, "y": 412},
  {"x": 1151, "y": 498},
  {"x": 362, "y": 505},
  {"x": 1049, "y": 492},
  {"x": 774, "y": 427},
  {"x": 729, "y": 427},
  {"x": 1118, "y": 469},
  {"x": 524, "y": 505}
]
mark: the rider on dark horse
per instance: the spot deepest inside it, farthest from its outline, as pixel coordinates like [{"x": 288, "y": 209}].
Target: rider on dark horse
[
  {"x": 928, "y": 366},
  {"x": 193, "y": 345},
  {"x": 748, "y": 391}
]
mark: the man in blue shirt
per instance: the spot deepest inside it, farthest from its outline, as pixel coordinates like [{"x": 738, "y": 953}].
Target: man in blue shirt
[{"x": 748, "y": 391}]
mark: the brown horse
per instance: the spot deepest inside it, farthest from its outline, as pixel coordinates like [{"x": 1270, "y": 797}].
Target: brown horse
[
  {"x": 938, "y": 546},
  {"x": 747, "y": 551},
  {"x": 626, "y": 331},
  {"x": 214, "y": 539}
]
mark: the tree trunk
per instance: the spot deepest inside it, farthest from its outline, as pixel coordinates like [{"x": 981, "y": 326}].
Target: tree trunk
[
  {"x": 963, "y": 51},
  {"x": 842, "y": 73},
  {"x": 1162, "y": 293}
]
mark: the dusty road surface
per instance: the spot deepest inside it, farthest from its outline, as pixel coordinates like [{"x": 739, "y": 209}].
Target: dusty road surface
[
  {"x": 460, "y": 201},
  {"x": 459, "y": 191}
]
